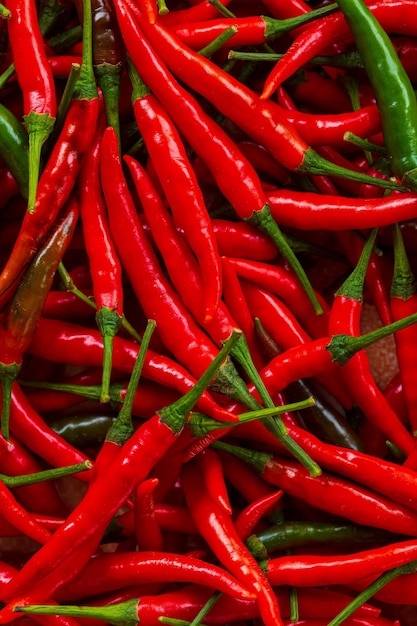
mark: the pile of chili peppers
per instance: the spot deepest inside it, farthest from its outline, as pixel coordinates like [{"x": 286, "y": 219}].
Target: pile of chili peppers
[{"x": 201, "y": 202}]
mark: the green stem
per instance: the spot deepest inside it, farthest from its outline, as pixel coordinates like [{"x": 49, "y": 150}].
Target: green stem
[
  {"x": 108, "y": 78},
  {"x": 8, "y": 73},
  {"x": 39, "y": 127},
  {"x": 51, "y": 474},
  {"x": 371, "y": 590},
  {"x": 315, "y": 164},
  {"x": 122, "y": 614},
  {"x": 70, "y": 286},
  {"x": 364, "y": 144},
  {"x": 218, "y": 42},
  {"x": 403, "y": 281},
  {"x": 85, "y": 88},
  {"x": 201, "y": 425},
  {"x": 344, "y": 347},
  {"x": 264, "y": 221},
  {"x": 352, "y": 288},
  {"x": 8, "y": 374},
  {"x": 276, "y": 28},
  {"x": 206, "y": 608},
  {"x": 108, "y": 322},
  {"x": 222, "y": 9},
  {"x": 175, "y": 414},
  {"x": 67, "y": 38},
  {"x": 5, "y": 12},
  {"x": 122, "y": 429}
]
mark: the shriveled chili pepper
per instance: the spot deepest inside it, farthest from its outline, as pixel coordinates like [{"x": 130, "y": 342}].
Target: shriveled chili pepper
[
  {"x": 329, "y": 493},
  {"x": 185, "y": 197},
  {"x": 218, "y": 530},
  {"x": 129, "y": 467},
  {"x": 106, "y": 270},
  {"x": 58, "y": 178},
  {"x": 36, "y": 81},
  {"x": 20, "y": 319}
]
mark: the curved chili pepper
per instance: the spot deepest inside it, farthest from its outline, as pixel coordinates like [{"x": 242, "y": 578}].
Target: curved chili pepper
[
  {"x": 311, "y": 211},
  {"x": 106, "y": 270},
  {"x": 36, "y": 80},
  {"x": 329, "y": 493},
  {"x": 185, "y": 198},
  {"x": 40, "y": 497},
  {"x": 18, "y": 325},
  {"x": 133, "y": 567},
  {"x": 218, "y": 530},
  {"x": 251, "y": 30},
  {"x": 310, "y": 570},
  {"x": 249, "y": 517},
  {"x": 58, "y": 178}
]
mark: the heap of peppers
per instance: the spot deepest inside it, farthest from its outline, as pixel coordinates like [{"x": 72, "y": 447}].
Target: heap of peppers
[{"x": 203, "y": 202}]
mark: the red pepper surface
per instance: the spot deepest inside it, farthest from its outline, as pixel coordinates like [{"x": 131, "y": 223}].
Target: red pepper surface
[
  {"x": 217, "y": 528},
  {"x": 176, "y": 326},
  {"x": 131, "y": 465},
  {"x": 330, "y": 493},
  {"x": 105, "y": 266},
  {"x": 180, "y": 186}
]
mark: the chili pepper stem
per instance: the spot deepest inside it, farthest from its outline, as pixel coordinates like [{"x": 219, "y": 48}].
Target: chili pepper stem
[
  {"x": 39, "y": 127},
  {"x": 123, "y": 614},
  {"x": 343, "y": 347},
  {"x": 8, "y": 374},
  {"x": 108, "y": 78},
  {"x": 264, "y": 221},
  {"x": 315, "y": 164},
  {"x": 108, "y": 322},
  {"x": 50, "y": 474}
]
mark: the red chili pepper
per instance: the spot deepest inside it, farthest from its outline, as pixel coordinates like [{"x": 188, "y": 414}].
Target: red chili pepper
[
  {"x": 158, "y": 299},
  {"x": 106, "y": 271},
  {"x": 345, "y": 318},
  {"x": 404, "y": 302},
  {"x": 211, "y": 468},
  {"x": 329, "y": 493},
  {"x": 40, "y": 497},
  {"x": 36, "y": 81},
  {"x": 62, "y": 342},
  {"x": 310, "y": 211},
  {"x": 184, "y": 197},
  {"x": 18, "y": 324},
  {"x": 147, "y": 530},
  {"x": 115, "y": 484},
  {"x": 218, "y": 530},
  {"x": 249, "y": 517},
  {"x": 58, "y": 178}
]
